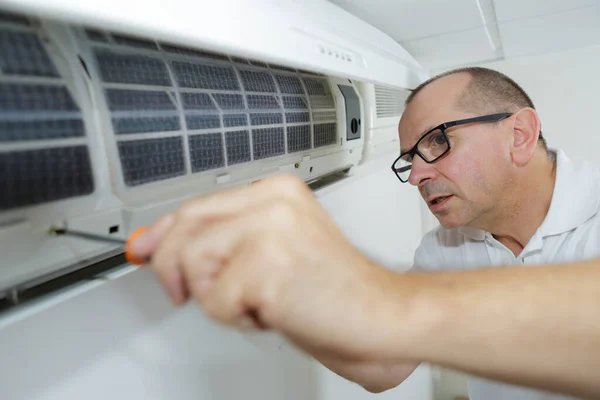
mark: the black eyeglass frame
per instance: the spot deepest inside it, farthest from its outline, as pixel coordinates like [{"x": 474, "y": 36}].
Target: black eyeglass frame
[{"x": 442, "y": 127}]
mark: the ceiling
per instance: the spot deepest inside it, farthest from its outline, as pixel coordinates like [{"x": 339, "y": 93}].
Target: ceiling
[{"x": 442, "y": 34}]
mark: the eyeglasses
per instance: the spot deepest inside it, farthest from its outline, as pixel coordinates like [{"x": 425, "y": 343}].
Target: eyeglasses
[{"x": 434, "y": 144}]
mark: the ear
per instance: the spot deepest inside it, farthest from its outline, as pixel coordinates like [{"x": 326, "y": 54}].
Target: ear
[{"x": 526, "y": 130}]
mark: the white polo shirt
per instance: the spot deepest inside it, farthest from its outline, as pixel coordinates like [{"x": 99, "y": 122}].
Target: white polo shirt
[{"x": 570, "y": 232}]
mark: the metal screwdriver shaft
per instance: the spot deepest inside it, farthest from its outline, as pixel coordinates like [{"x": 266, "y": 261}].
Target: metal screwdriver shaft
[
  {"x": 54, "y": 231},
  {"x": 86, "y": 235}
]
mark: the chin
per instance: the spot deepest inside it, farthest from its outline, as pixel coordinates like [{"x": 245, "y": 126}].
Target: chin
[{"x": 448, "y": 221}]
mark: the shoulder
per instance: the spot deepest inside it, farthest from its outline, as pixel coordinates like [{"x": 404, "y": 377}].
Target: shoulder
[
  {"x": 587, "y": 169},
  {"x": 581, "y": 186}
]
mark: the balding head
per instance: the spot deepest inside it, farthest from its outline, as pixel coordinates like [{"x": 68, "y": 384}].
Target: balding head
[
  {"x": 486, "y": 161},
  {"x": 485, "y": 91}
]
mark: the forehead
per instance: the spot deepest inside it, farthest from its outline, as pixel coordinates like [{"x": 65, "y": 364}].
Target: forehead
[{"x": 433, "y": 105}]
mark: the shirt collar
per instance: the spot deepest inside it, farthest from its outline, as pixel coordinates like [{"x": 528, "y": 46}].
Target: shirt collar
[
  {"x": 576, "y": 198},
  {"x": 473, "y": 233}
]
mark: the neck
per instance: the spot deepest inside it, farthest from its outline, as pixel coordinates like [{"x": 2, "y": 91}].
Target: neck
[{"x": 527, "y": 205}]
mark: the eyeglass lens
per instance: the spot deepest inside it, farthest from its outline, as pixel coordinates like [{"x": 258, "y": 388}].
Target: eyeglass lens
[{"x": 431, "y": 146}]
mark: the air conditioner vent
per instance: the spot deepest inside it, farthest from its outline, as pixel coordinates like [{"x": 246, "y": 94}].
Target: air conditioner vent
[
  {"x": 205, "y": 110},
  {"x": 40, "y": 123},
  {"x": 389, "y": 101}
]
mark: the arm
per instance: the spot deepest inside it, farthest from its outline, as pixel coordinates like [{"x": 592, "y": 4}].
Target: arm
[
  {"x": 530, "y": 326},
  {"x": 267, "y": 256},
  {"x": 375, "y": 377}
]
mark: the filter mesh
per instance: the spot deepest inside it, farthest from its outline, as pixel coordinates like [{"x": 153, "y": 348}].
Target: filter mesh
[
  {"x": 294, "y": 118},
  {"x": 138, "y": 111},
  {"x": 238, "y": 147},
  {"x": 197, "y": 101},
  {"x": 325, "y": 134},
  {"x": 204, "y": 76},
  {"x": 257, "y": 81},
  {"x": 145, "y": 161},
  {"x": 294, "y": 103},
  {"x": 131, "y": 68},
  {"x": 37, "y": 114},
  {"x": 289, "y": 84},
  {"x": 266, "y": 119},
  {"x": 207, "y": 151},
  {"x": 38, "y": 176},
  {"x": 23, "y": 97},
  {"x": 162, "y": 100},
  {"x": 202, "y": 121},
  {"x": 235, "y": 120},
  {"x": 229, "y": 101},
  {"x": 260, "y": 102},
  {"x": 268, "y": 142},
  {"x": 22, "y": 53},
  {"x": 141, "y": 124},
  {"x": 298, "y": 138},
  {"x": 234, "y": 110},
  {"x": 14, "y": 131},
  {"x": 124, "y": 100}
]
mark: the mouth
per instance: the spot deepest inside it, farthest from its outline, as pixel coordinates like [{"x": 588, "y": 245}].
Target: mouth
[{"x": 437, "y": 203}]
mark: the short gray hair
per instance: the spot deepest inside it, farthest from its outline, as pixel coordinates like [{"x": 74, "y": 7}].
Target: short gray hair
[{"x": 489, "y": 91}]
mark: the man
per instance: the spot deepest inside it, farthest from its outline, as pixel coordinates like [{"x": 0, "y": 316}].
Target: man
[
  {"x": 500, "y": 195},
  {"x": 268, "y": 256}
]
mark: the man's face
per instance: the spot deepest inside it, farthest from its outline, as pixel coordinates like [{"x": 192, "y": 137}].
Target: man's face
[{"x": 466, "y": 186}]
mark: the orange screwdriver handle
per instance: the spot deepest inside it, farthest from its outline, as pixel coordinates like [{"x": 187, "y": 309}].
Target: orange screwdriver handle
[{"x": 129, "y": 256}]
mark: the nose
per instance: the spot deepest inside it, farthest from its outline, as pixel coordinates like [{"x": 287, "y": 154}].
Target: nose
[{"x": 420, "y": 171}]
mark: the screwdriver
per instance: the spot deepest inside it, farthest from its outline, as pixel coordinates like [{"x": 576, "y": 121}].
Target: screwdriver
[{"x": 129, "y": 256}]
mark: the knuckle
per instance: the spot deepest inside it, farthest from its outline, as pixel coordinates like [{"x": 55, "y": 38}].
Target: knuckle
[
  {"x": 282, "y": 211},
  {"x": 200, "y": 264},
  {"x": 221, "y": 303}
]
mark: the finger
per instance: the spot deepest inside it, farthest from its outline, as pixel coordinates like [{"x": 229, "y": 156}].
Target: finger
[
  {"x": 165, "y": 260},
  {"x": 208, "y": 257},
  {"x": 199, "y": 215},
  {"x": 232, "y": 298},
  {"x": 176, "y": 286},
  {"x": 166, "y": 237},
  {"x": 219, "y": 205},
  {"x": 203, "y": 258},
  {"x": 145, "y": 244}
]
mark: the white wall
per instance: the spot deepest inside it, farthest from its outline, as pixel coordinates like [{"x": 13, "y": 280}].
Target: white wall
[
  {"x": 122, "y": 339},
  {"x": 565, "y": 89}
]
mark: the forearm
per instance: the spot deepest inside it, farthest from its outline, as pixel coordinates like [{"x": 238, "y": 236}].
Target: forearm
[{"x": 534, "y": 326}]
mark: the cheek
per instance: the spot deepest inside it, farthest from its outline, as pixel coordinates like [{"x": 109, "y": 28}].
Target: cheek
[{"x": 470, "y": 173}]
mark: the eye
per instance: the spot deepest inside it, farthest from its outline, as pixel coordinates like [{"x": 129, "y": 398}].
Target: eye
[{"x": 437, "y": 139}]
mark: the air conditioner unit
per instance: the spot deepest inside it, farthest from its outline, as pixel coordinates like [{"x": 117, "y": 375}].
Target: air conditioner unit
[
  {"x": 383, "y": 108},
  {"x": 114, "y": 112}
]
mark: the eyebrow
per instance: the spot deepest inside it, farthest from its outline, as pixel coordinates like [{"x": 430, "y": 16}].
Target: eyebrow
[{"x": 419, "y": 138}]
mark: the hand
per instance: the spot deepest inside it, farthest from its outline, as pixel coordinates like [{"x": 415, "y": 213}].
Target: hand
[{"x": 268, "y": 256}]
